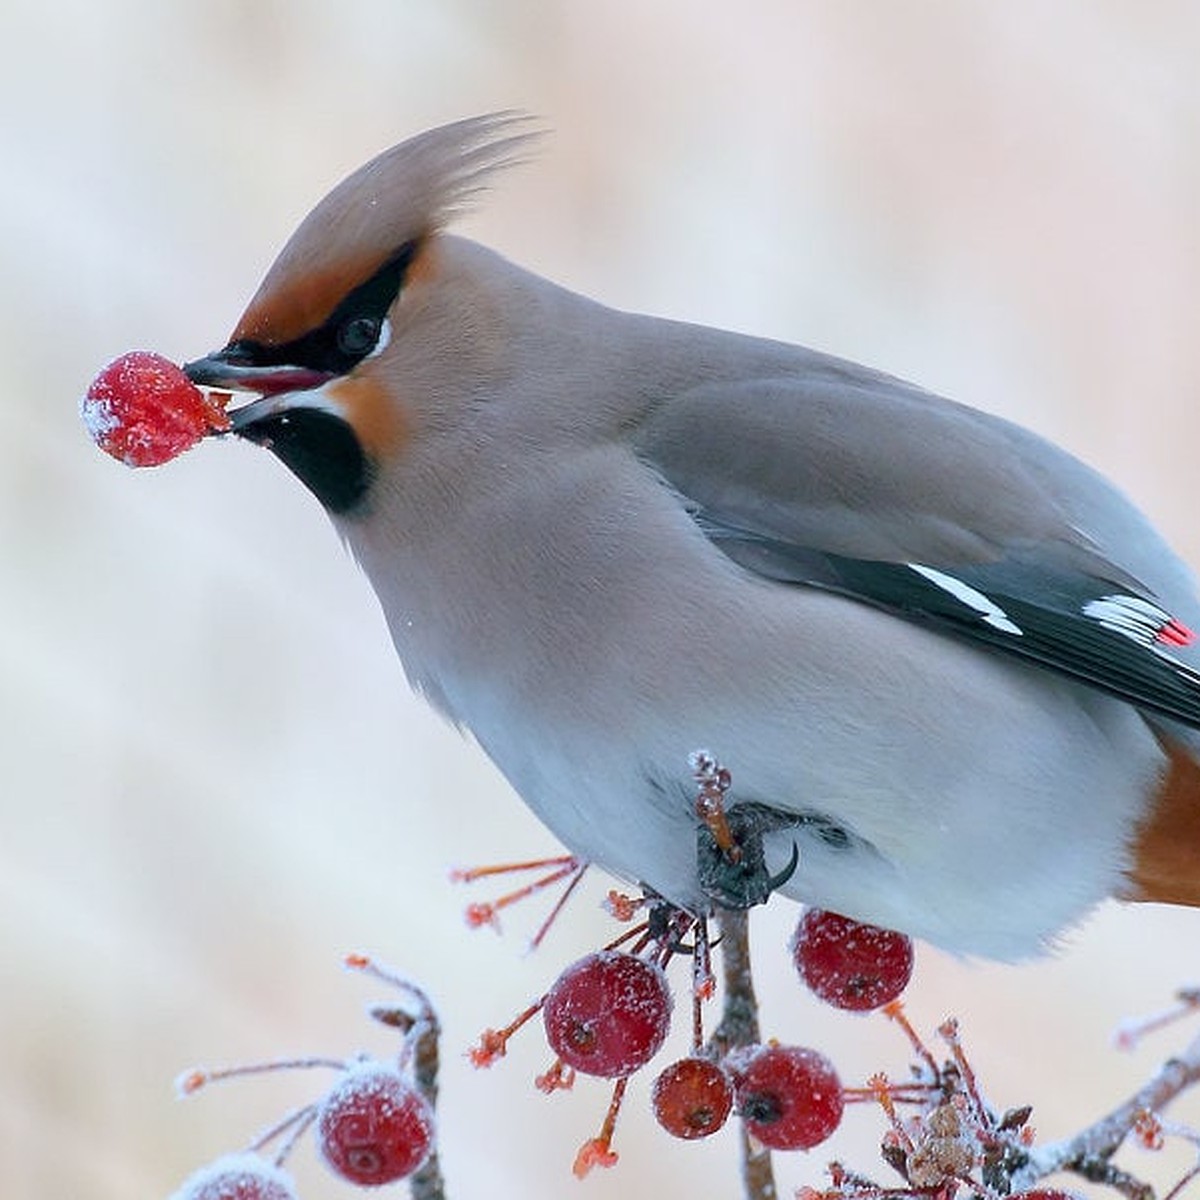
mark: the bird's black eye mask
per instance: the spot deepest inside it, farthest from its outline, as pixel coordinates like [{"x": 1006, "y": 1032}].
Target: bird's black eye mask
[{"x": 347, "y": 336}]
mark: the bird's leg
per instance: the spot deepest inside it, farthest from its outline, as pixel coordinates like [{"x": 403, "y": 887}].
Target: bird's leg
[
  {"x": 738, "y": 877},
  {"x": 731, "y": 863}
]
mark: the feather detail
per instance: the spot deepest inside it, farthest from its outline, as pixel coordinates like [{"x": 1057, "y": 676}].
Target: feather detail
[{"x": 402, "y": 196}]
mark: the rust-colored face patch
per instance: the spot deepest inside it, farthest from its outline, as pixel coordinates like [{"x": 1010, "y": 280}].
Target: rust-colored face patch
[
  {"x": 291, "y": 302},
  {"x": 380, "y": 420},
  {"x": 1166, "y": 852}
]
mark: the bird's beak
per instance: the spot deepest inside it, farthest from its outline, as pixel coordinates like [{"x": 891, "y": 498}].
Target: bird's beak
[{"x": 223, "y": 371}]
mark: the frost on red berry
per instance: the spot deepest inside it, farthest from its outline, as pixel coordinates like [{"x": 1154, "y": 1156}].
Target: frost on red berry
[
  {"x": 789, "y": 1096},
  {"x": 849, "y": 964},
  {"x": 608, "y": 1014},
  {"x": 373, "y": 1127},
  {"x": 237, "y": 1177},
  {"x": 691, "y": 1098},
  {"x": 143, "y": 410}
]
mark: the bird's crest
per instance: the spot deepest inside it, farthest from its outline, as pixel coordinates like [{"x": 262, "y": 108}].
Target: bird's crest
[{"x": 401, "y": 196}]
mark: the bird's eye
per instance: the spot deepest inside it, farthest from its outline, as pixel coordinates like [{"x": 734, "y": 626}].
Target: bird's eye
[{"x": 358, "y": 335}]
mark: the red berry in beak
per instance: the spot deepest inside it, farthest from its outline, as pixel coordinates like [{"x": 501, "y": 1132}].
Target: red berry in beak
[{"x": 143, "y": 410}]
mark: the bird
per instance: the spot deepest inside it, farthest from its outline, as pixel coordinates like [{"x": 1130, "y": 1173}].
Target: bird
[{"x": 952, "y": 671}]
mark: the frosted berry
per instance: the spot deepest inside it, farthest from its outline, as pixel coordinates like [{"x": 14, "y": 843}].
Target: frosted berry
[
  {"x": 373, "y": 1126},
  {"x": 143, "y": 410},
  {"x": 238, "y": 1177},
  {"x": 849, "y": 964},
  {"x": 790, "y": 1097},
  {"x": 608, "y": 1014},
  {"x": 692, "y": 1098}
]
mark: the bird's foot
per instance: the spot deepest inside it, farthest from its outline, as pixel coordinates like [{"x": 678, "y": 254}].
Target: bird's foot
[{"x": 735, "y": 874}]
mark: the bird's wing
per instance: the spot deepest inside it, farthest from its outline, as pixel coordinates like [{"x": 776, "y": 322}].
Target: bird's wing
[{"x": 853, "y": 482}]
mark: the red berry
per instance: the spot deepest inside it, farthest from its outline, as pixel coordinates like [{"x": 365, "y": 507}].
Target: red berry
[
  {"x": 238, "y": 1177},
  {"x": 143, "y": 410},
  {"x": 789, "y": 1096},
  {"x": 692, "y": 1098},
  {"x": 373, "y": 1126},
  {"x": 849, "y": 964},
  {"x": 608, "y": 1014}
]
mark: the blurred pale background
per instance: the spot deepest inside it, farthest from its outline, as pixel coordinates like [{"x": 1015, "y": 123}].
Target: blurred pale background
[{"x": 214, "y": 779}]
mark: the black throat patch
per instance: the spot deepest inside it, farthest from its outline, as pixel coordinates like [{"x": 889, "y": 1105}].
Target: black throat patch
[{"x": 321, "y": 450}]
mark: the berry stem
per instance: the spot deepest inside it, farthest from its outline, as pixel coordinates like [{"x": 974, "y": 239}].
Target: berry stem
[
  {"x": 1129, "y": 1033},
  {"x": 670, "y": 941},
  {"x": 494, "y": 1042},
  {"x": 646, "y": 939},
  {"x": 488, "y": 911},
  {"x": 598, "y": 1151},
  {"x": 703, "y": 984},
  {"x": 638, "y": 931},
  {"x": 697, "y": 1021},
  {"x": 949, "y": 1032},
  {"x": 900, "y": 1093},
  {"x": 198, "y": 1077},
  {"x": 883, "y": 1092},
  {"x": 578, "y": 873},
  {"x": 895, "y": 1012},
  {"x": 471, "y": 874},
  {"x": 1183, "y": 1184},
  {"x": 294, "y": 1124},
  {"x": 368, "y": 966},
  {"x": 614, "y": 1107}
]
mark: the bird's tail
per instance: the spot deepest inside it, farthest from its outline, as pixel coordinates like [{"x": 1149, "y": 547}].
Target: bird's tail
[{"x": 1166, "y": 853}]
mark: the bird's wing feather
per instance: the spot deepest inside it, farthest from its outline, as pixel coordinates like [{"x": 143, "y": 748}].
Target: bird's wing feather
[{"x": 862, "y": 485}]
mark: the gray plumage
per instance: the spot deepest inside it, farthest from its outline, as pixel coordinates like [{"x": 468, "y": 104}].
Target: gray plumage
[{"x": 601, "y": 541}]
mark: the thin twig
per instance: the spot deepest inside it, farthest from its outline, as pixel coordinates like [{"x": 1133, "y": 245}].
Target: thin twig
[
  {"x": 1088, "y": 1153},
  {"x": 422, "y": 1034},
  {"x": 427, "y": 1183},
  {"x": 739, "y": 1027}
]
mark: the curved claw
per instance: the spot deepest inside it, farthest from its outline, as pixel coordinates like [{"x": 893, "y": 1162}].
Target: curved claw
[{"x": 775, "y": 882}]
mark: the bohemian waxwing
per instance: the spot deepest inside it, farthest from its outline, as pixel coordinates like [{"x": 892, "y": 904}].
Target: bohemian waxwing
[{"x": 944, "y": 659}]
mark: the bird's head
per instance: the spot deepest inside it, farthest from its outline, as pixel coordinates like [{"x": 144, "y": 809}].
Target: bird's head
[{"x": 322, "y": 340}]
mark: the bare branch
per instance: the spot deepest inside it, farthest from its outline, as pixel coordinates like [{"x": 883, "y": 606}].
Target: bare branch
[
  {"x": 427, "y": 1183},
  {"x": 1089, "y": 1153},
  {"x": 739, "y": 1027}
]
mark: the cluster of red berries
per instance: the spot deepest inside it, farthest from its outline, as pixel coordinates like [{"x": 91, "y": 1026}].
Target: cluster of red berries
[
  {"x": 609, "y": 1013},
  {"x": 372, "y": 1126}
]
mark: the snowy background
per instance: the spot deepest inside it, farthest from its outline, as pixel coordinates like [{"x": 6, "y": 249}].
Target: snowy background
[{"x": 214, "y": 781}]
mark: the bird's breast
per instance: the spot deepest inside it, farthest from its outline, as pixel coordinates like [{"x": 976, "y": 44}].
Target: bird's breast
[{"x": 591, "y": 638}]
